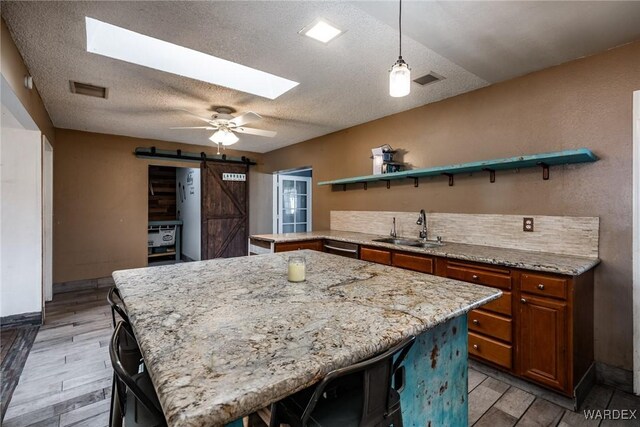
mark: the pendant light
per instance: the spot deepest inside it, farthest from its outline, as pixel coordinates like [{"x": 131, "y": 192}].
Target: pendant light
[{"x": 400, "y": 74}]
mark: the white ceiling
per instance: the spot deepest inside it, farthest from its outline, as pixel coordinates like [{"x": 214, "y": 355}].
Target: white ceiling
[{"x": 344, "y": 83}]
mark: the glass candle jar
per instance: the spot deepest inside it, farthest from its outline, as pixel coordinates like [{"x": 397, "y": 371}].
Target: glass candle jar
[{"x": 297, "y": 269}]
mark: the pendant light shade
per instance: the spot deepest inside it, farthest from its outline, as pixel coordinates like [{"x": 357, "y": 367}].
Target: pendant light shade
[
  {"x": 400, "y": 74},
  {"x": 224, "y": 137},
  {"x": 399, "y": 79}
]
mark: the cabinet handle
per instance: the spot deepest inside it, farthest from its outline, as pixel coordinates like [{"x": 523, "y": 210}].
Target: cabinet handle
[
  {"x": 475, "y": 347},
  {"x": 475, "y": 277},
  {"x": 522, "y": 300},
  {"x": 476, "y": 322},
  {"x": 541, "y": 286}
]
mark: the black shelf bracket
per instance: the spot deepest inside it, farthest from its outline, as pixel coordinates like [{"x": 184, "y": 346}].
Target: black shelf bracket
[
  {"x": 344, "y": 187},
  {"x": 365, "y": 185},
  {"x": 450, "y": 175},
  {"x": 415, "y": 180},
  {"x": 492, "y": 174},
  {"x": 388, "y": 181},
  {"x": 545, "y": 170}
]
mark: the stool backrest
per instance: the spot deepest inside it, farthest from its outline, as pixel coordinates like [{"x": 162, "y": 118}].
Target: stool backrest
[
  {"x": 116, "y": 306},
  {"x": 377, "y": 376},
  {"x": 124, "y": 378}
]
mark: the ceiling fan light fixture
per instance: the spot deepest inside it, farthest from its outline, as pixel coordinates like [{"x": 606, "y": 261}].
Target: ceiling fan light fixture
[
  {"x": 399, "y": 79},
  {"x": 224, "y": 137}
]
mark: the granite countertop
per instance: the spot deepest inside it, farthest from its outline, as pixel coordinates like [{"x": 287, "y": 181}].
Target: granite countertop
[
  {"x": 527, "y": 260},
  {"x": 223, "y": 338}
]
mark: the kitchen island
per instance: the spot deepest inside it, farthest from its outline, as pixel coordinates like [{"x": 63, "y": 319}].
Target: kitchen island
[{"x": 224, "y": 338}]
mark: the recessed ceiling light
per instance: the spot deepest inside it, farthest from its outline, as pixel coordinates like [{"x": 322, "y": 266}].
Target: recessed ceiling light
[
  {"x": 321, "y": 30},
  {"x": 119, "y": 43}
]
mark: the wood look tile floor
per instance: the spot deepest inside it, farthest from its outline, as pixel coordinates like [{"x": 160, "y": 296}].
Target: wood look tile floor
[{"x": 66, "y": 380}]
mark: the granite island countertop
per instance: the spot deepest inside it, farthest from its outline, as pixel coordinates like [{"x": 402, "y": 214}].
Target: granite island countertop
[
  {"x": 527, "y": 260},
  {"x": 223, "y": 338}
]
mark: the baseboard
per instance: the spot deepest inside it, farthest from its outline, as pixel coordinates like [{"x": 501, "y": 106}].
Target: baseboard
[
  {"x": 585, "y": 385},
  {"x": 23, "y": 319},
  {"x": 82, "y": 285},
  {"x": 615, "y": 377}
]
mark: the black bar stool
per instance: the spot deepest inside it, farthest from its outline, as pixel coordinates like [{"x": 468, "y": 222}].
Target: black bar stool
[
  {"x": 134, "y": 400},
  {"x": 359, "y": 395}
]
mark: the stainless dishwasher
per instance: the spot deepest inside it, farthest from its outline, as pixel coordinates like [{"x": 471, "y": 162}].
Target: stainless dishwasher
[{"x": 349, "y": 250}]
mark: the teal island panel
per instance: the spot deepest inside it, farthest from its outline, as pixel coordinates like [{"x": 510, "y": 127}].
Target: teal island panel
[{"x": 435, "y": 390}]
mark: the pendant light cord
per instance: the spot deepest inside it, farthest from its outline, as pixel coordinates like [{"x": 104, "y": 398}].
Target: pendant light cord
[{"x": 400, "y": 28}]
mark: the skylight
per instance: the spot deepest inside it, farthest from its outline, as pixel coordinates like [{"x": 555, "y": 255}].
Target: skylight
[{"x": 118, "y": 43}]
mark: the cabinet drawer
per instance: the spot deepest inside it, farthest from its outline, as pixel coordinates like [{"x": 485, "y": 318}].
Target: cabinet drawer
[
  {"x": 474, "y": 274},
  {"x": 413, "y": 262},
  {"x": 544, "y": 285},
  {"x": 490, "y": 350},
  {"x": 379, "y": 256},
  {"x": 501, "y": 305},
  {"x": 315, "y": 245},
  {"x": 490, "y": 324}
]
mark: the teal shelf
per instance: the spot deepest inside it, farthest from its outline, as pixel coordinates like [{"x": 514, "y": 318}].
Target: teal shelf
[{"x": 543, "y": 160}]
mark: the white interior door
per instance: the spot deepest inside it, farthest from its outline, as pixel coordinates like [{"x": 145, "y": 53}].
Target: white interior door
[
  {"x": 47, "y": 219},
  {"x": 294, "y": 204}
]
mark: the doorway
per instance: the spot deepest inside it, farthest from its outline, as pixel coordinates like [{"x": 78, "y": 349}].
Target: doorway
[
  {"x": 293, "y": 200},
  {"x": 636, "y": 242},
  {"x": 173, "y": 215},
  {"x": 47, "y": 219}
]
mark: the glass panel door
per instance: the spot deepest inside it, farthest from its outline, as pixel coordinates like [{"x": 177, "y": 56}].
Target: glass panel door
[{"x": 294, "y": 204}]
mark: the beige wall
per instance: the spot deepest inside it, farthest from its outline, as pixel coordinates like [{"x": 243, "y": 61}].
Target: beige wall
[
  {"x": 585, "y": 103},
  {"x": 14, "y": 70},
  {"x": 100, "y": 202}
]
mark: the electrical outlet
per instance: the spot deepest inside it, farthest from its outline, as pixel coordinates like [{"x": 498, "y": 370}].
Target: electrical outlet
[{"x": 527, "y": 224}]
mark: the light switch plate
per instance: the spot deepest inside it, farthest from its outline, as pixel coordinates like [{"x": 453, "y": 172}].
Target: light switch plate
[{"x": 527, "y": 224}]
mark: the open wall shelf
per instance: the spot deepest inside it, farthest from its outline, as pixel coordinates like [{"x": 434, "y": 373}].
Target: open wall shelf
[{"x": 543, "y": 160}]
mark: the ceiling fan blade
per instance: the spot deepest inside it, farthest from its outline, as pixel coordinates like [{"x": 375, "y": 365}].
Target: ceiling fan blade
[
  {"x": 204, "y": 119},
  {"x": 193, "y": 127},
  {"x": 245, "y": 118},
  {"x": 253, "y": 131}
]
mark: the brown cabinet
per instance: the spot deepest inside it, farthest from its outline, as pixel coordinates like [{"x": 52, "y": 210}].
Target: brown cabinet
[
  {"x": 492, "y": 325},
  {"x": 315, "y": 245},
  {"x": 547, "y": 286},
  {"x": 542, "y": 343},
  {"x": 488, "y": 276},
  {"x": 380, "y": 256},
  {"x": 491, "y": 350},
  {"x": 501, "y": 305},
  {"x": 421, "y": 263},
  {"x": 541, "y": 329}
]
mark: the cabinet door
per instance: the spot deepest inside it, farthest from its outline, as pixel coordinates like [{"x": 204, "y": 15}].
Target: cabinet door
[
  {"x": 543, "y": 343},
  {"x": 379, "y": 256}
]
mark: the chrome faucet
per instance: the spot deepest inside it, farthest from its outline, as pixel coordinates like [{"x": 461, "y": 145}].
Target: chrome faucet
[
  {"x": 394, "y": 233},
  {"x": 422, "y": 220}
]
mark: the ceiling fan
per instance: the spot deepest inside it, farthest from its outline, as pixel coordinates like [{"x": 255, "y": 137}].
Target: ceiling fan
[{"x": 226, "y": 125}]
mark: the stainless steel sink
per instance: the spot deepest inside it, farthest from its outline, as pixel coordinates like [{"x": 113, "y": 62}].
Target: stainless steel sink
[
  {"x": 395, "y": 241},
  {"x": 427, "y": 245},
  {"x": 409, "y": 242}
]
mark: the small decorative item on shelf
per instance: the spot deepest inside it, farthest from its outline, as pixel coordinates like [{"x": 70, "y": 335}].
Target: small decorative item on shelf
[
  {"x": 297, "y": 269},
  {"x": 383, "y": 160}
]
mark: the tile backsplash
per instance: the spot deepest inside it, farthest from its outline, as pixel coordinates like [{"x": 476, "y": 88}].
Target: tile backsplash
[{"x": 567, "y": 235}]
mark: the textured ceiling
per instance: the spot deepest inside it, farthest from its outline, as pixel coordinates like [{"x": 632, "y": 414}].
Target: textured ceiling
[
  {"x": 342, "y": 84},
  {"x": 501, "y": 40}
]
